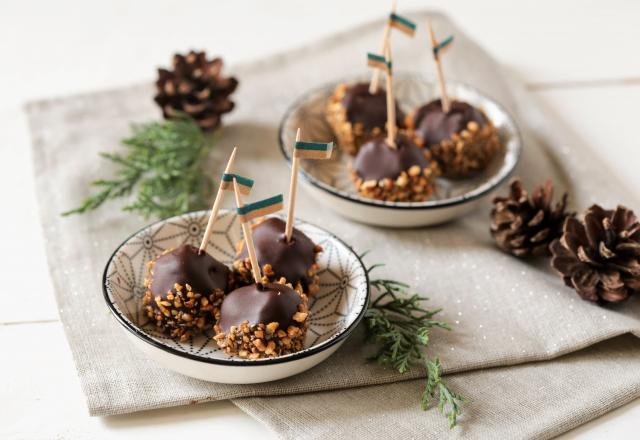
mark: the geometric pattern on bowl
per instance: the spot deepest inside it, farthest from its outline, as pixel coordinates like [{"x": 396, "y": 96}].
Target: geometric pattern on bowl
[
  {"x": 338, "y": 305},
  {"x": 411, "y": 91}
]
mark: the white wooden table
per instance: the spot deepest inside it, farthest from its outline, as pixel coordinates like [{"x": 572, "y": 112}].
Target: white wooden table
[{"x": 578, "y": 57}]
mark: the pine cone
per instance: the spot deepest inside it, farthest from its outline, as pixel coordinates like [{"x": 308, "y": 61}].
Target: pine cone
[
  {"x": 600, "y": 256},
  {"x": 523, "y": 225},
  {"x": 195, "y": 86}
]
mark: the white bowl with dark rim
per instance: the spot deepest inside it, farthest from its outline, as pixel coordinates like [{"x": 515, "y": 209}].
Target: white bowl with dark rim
[
  {"x": 329, "y": 181},
  {"x": 335, "y": 310}
]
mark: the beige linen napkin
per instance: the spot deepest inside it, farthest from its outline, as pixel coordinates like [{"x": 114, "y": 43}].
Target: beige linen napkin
[
  {"x": 534, "y": 400},
  {"x": 504, "y": 311}
]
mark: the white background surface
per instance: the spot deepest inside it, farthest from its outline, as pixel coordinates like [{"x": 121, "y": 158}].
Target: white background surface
[{"x": 580, "y": 58}]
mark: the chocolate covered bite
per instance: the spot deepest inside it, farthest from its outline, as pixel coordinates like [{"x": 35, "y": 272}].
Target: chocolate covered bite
[
  {"x": 401, "y": 174},
  {"x": 463, "y": 141},
  {"x": 291, "y": 262},
  {"x": 184, "y": 291},
  {"x": 262, "y": 320},
  {"x": 355, "y": 115}
]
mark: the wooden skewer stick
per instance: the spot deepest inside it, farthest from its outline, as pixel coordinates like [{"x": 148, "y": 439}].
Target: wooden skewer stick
[
  {"x": 292, "y": 193},
  {"x": 216, "y": 205},
  {"x": 248, "y": 238},
  {"x": 391, "y": 103},
  {"x": 444, "y": 98},
  {"x": 375, "y": 76}
]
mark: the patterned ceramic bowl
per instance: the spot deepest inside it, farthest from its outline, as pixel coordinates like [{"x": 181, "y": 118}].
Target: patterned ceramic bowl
[
  {"x": 335, "y": 311},
  {"x": 330, "y": 181}
]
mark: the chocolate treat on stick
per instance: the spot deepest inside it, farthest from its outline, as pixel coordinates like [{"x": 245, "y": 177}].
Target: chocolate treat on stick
[
  {"x": 460, "y": 137},
  {"x": 262, "y": 319},
  {"x": 185, "y": 286},
  {"x": 184, "y": 291},
  {"x": 357, "y": 112},
  {"x": 403, "y": 173},
  {"x": 392, "y": 169},
  {"x": 282, "y": 250},
  {"x": 355, "y": 115}
]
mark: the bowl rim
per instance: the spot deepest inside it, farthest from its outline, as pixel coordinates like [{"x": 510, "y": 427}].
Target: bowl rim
[
  {"x": 415, "y": 206},
  {"x": 136, "y": 331}
]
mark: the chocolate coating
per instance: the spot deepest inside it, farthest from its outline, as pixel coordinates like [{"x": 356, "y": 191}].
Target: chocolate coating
[
  {"x": 367, "y": 109},
  {"x": 290, "y": 260},
  {"x": 433, "y": 125},
  {"x": 184, "y": 265},
  {"x": 257, "y": 304},
  {"x": 376, "y": 160}
]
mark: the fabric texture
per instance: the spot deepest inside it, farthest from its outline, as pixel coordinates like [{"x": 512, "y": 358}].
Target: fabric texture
[
  {"x": 534, "y": 400},
  {"x": 503, "y": 311}
]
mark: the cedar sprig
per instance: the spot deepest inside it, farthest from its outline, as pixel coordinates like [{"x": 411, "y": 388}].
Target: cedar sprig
[
  {"x": 400, "y": 326},
  {"x": 448, "y": 401},
  {"x": 163, "y": 165}
]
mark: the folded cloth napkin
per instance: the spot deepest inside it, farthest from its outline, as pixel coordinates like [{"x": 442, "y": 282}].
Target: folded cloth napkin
[
  {"x": 503, "y": 311},
  {"x": 533, "y": 400}
]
